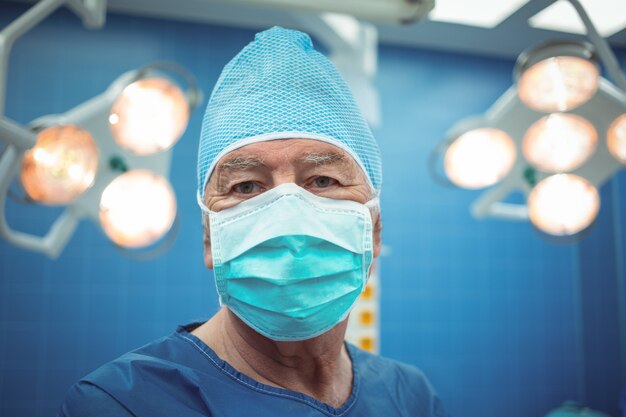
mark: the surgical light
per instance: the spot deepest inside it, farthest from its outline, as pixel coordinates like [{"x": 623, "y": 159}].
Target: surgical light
[
  {"x": 61, "y": 166},
  {"x": 558, "y": 113},
  {"x": 479, "y": 158},
  {"x": 558, "y": 76},
  {"x": 149, "y": 116},
  {"x": 563, "y": 205},
  {"x": 616, "y": 138},
  {"x": 137, "y": 208},
  {"x": 106, "y": 159},
  {"x": 559, "y": 142}
]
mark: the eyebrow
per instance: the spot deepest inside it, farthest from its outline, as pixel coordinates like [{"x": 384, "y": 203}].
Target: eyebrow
[
  {"x": 240, "y": 163},
  {"x": 229, "y": 166},
  {"x": 323, "y": 158}
]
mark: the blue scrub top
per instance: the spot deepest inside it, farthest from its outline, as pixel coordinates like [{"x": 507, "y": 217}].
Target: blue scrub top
[{"x": 180, "y": 376}]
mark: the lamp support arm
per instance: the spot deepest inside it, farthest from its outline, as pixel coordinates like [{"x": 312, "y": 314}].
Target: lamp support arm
[
  {"x": 92, "y": 12},
  {"x": 490, "y": 203},
  {"x": 16, "y": 135},
  {"x": 604, "y": 51},
  {"x": 61, "y": 230},
  {"x": 18, "y": 138}
]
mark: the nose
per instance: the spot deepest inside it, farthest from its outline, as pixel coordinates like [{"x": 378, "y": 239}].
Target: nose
[{"x": 284, "y": 175}]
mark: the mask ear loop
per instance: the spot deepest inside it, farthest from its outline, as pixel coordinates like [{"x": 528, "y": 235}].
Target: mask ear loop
[
  {"x": 373, "y": 205},
  {"x": 203, "y": 206}
]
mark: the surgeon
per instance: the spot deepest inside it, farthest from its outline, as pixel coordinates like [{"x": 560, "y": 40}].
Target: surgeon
[{"x": 289, "y": 176}]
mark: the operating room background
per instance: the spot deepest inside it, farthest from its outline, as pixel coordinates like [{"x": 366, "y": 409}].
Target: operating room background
[{"x": 502, "y": 322}]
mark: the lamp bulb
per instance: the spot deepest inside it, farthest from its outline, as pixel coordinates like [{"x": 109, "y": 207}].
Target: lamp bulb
[
  {"x": 480, "y": 158},
  {"x": 137, "y": 208},
  {"x": 149, "y": 116},
  {"x": 61, "y": 166}
]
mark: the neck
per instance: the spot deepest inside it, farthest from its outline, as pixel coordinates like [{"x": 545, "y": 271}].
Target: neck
[{"x": 319, "y": 367}]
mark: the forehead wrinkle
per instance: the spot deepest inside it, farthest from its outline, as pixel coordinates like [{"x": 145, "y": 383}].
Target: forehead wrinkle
[
  {"x": 231, "y": 165},
  {"x": 338, "y": 160}
]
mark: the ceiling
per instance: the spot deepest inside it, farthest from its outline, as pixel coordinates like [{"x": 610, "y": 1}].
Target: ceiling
[{"x": 506, "y": 40}]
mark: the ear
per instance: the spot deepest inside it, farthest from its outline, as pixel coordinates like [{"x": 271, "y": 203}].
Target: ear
[
  {"x": 377, "y": 227},
  {"x": 208, "y": 257}
]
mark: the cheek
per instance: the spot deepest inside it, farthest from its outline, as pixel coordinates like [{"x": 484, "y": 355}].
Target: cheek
[
  {"x": 222, "y": 203},
  {"x": 340, "y": 189}
]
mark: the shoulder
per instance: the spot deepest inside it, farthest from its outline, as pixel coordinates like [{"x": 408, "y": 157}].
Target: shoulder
[
  {"x": 404, "y": 383},
  {"x": 120, "y": 372},
  {"x": 87, "y": 400},
  {"x": 110, "y": 390}
]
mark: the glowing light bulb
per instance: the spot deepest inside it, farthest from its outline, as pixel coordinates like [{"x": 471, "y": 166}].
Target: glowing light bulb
[
  {"x": 559, "y": 142},
  {"x": 559, "y": 83},
  {"x": 137, "y": 208},
  {"x": 61, "y": 166},
  {"x": 479, "y": 158},
  {"x": 616, "y": 138},
  {"x": 563, "y": 204},
  {"x": 149, "y": 116}
]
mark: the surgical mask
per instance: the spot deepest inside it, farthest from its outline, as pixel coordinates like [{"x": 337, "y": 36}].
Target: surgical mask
[{"x": 289, "y": 263}]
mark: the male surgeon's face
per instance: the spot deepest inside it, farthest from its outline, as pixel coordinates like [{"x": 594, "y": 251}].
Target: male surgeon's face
[{"x": 318, "y": 167}]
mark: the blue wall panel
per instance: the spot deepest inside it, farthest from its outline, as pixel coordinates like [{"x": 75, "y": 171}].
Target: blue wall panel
[
  {"x": 490, "y": 311},
  {"x": 483, "y": 307},
  {"x": 600, "y": 309}
]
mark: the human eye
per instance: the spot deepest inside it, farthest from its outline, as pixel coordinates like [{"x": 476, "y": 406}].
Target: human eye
[
  {"x": 323, "y": 181},
  {"x": 246, "y": 187}
]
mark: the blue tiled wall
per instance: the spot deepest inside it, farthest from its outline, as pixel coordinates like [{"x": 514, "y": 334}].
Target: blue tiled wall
[{"x": 502, "y": 322}]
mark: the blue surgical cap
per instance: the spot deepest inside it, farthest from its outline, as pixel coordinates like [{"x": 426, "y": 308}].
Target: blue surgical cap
[{"x": 280, "y": 87}]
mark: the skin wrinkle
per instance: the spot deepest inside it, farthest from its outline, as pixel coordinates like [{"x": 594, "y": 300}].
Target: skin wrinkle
[
  {"x": 232, "y": 165},
  {"x": 319, "y": 367},
  {"x": 279, "y": 361},
  {"x": 247, "y": 162},
  {"x": 288, "y": 361},
  {"x": 228, "y": 168}
]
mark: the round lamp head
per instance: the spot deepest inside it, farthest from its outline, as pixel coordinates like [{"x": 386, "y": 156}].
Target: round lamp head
[
  {"x": 137, "y": 208},
  {"x": 559, "y": 142},
  {"x": 563, "y": 205},
  {"x": 479, "y": 158},
  {"x": 149, "y": 116},
  {"x": 616, "y": 138},
  {"x": 61, "y": 165},
  {"x": 557, "y": 77}
]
